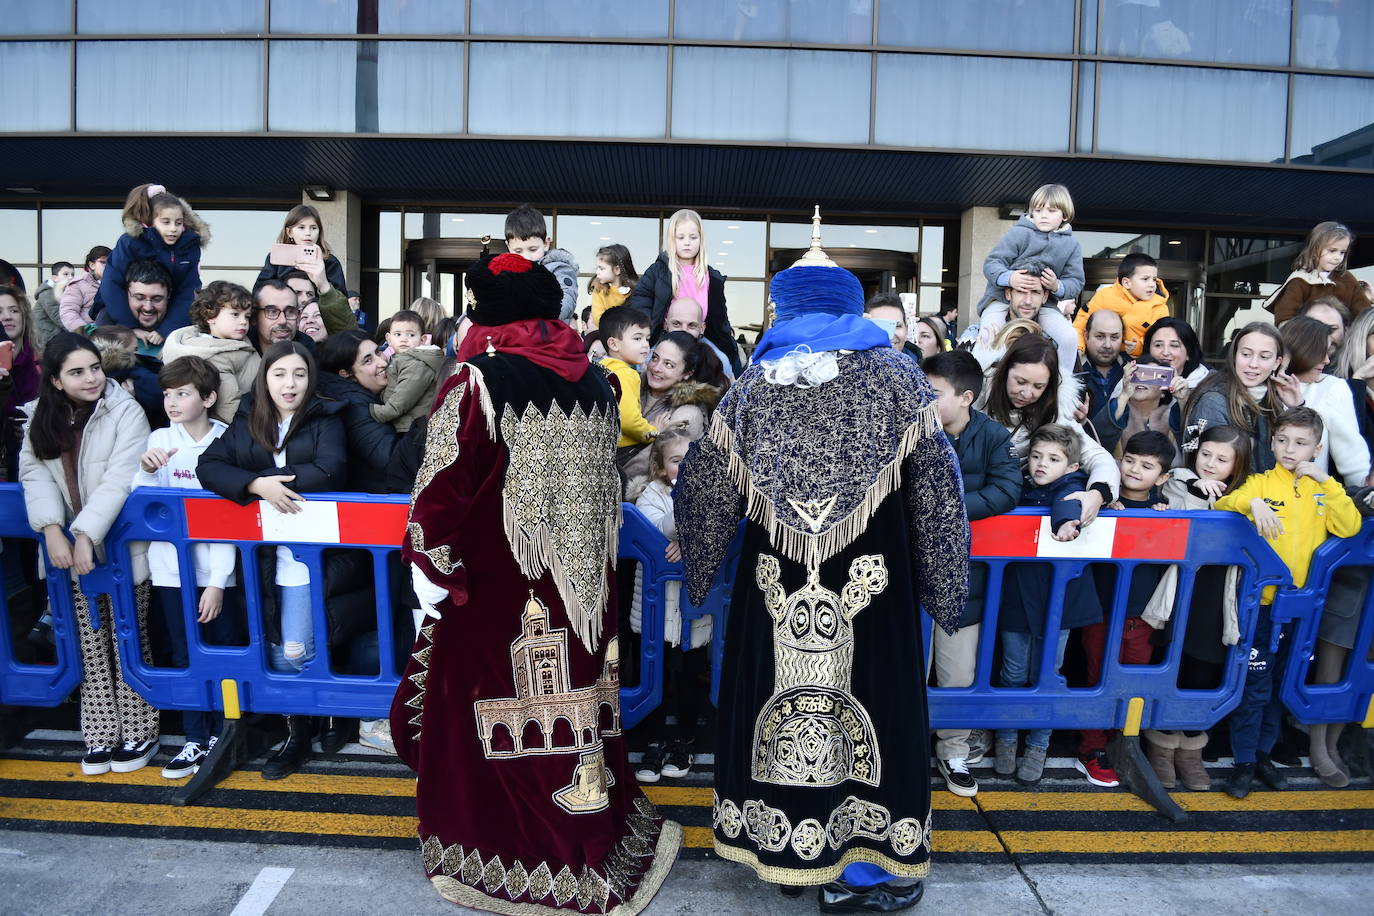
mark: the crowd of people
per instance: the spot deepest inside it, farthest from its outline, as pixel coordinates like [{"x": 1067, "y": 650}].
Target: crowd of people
[{"x": 132, "y": 373}]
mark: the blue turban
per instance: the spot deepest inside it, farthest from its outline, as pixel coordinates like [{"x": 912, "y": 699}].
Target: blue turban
[{"x": 818, "y": 308}]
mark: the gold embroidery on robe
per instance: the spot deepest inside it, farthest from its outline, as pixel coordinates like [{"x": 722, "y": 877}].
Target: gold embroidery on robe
[{"x": 768, "y": 828}]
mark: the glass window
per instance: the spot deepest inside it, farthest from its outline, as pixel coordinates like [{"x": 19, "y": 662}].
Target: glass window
[
  {"x": 848, "y": 23},
  {"x": 811, "y": 96},
  {"x": 1087, "y": 40},
  {"x": 835, "y": 235},
  {"x": 583, "y": 235},
  {"x": 1191, "y": 112},
  {"x": 328, "y": 105},
  {"x": 933, "y": 269},
  {"x": 166, "y": 17},
  {"x": 1334, "y": 35},
  {"x": 420, "y": 87},
  {"x": 241, "y": 238},
  {"x": 980, "y": 25},
  {"x": 1242, "y": 271},
  {"x": 420, "y": 17},
  {"x": 931, "y": 100},
  {"x": 934, "y": 298},
  {"x": 1230, "y": 31},
  {"x": 1087, "y": 88},
  {"x": 584, "y": 103},
  {"x": 25, "y": 17},
  {"x": 472, "y": 225},
  {"x": 561, "y": 19},
  {"x": 736, "y": 246},
  {"x": 222, "y": 91},
  {"x": 1116, "y": 244},
  {"x": 69, "y": 234},
  {"x": 36, "y": 85},
  {"x": 315, "y": 17},
  {"x": 1333, "y": 121},
  {"x": 389, "y": 240},
  {"x": 245, "y": 278},
  {"x": 19, "y": 235},
  {"x": 388, "y": 295},
  {"x": 744, "y": 299}
]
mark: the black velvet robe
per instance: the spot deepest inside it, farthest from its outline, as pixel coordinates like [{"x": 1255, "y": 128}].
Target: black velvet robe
[{"x": 855, "y": 520}]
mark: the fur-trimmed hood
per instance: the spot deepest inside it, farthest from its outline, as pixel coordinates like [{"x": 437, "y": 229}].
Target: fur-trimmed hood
[
  {"x": 194, "y": 223},
  {"x": 116, "y": 359},
  {"x": 698, "y": 393}
]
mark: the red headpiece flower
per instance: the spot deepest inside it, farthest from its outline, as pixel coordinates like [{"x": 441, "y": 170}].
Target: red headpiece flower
[{"x": 513, "y": 262}]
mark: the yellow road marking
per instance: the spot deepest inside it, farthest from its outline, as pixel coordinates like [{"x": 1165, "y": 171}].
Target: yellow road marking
[
  {"x": 1293, "y": 800},
  {"x": 1189, "y": 841},
  {"x": 45, "y": 771}
]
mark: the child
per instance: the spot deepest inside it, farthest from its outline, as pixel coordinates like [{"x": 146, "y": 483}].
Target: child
[
  {"x": 78, "y": 461},
  {"x": 670, "y": 750},
  {"x": 188, "y": 393},
  {"x": 528, "y": 236},
  {"x": 1295, "y": 507},
  {"x": 432, "y": 314},
  {"x": 1041, "y": 250},
  {"x": 684, "y": 274},
  {"x": 47, "y": 303},
  {"x": 991, "y": 473},
  {"x": 1218, "y": 462},
  {"x": 287, "y": 442},
  {"x": 74, "y": 310},
  {"x": 221, "y": 313},
  {"x": 16, "y": 320},
  {"x": 161, "y": 227},
  {"x": 412, "y": 375},
  {"x": 614, "y": 280},
  {"x": 1138, "y": 296},
  {"x": 303, "y": 226},
  {"x": 1320, "y": 270},
  {"x": 1135, "y": 407},
  {"x": 1053, "y": 475},
  {"x": 1145, "y": 462},
  {"x": 133, "y": 371},
  {"x": 625, "y": 333}
]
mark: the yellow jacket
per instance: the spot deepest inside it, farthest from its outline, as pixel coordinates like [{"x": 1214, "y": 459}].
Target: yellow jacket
[
  {"x": 1136, "y": 314},
  {"x": 608, "y": 298},
  {"x": 634, "y": 429},
  {"x": 1309, "y": 511}
]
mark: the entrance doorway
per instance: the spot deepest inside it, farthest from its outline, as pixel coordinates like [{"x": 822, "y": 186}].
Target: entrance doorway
[
  {"x": 878, "y": 269},
  {"x": 435, "y": 268}
]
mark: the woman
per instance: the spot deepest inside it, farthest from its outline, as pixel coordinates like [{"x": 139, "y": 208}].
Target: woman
[
  {"x": 354, "y": 372},
  {"x": 1250, "y": 390},
  {"x": 672, "y": 397},
  {"x": 1025, "y": 393},
  {"x": 1354, "y": 362},
  {"x": 1173, "y": 342},
  {"x": 928, "y": 336},
  {"x": 1307, "y": 342}
]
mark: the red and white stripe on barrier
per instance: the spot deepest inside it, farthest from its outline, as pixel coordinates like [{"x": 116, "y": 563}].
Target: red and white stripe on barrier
[
  {"x": 319, "y": 522},
  {"x": 1163, "y": 538}
]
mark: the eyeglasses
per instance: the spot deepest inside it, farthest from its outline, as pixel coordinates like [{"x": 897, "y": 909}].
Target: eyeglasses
[
  {"x": 141, "y": 298},
  {"x": 273, "y": 313}
]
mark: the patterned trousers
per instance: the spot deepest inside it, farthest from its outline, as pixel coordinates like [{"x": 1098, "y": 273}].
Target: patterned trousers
[{"x": 110, "y": 710}]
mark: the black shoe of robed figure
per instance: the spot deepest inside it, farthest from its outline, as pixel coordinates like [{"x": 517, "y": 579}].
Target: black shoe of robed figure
[
  {"x": 838, "y": 897},
  {"x": 792, "y": 890}
]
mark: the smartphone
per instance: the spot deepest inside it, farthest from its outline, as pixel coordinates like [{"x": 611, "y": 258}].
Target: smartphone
[
  {"x": 1160, "y": 376},
  {"x": 6, "y": 354},
  {"x": 288, "y": 255}
]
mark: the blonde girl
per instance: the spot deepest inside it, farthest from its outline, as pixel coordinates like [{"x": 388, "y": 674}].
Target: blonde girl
[
  {"x": 303, "y": 226},
  {"x": 161, "y": 227},
  {"x": 1320, "y": 270},
  {"x": 432, "y": 312},
  {"x": 613, "y": 282},
  {"x": 681, "y": 272}
]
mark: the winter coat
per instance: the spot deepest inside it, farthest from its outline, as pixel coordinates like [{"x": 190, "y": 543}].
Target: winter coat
[
  {"x": 1364, "y": 411},
  {"x": 1026, "y": 586},
  {"x": 687, "y": 406},
  {"x": 654, "y": 294},
  {"x": 371, "y": 443},
  {"x": 1114, "y": 429},
  {"x": 564, "y": 267},
  {"x": 1026, "y": 247},
  {"x": 74, "y": 311},
  {"x": 406, "y": 459},
  {"x": 1342, "y": 442},
  {"x": 140, "y": 373},
  {"x": 333, "y": 272},
  {"x": 181, "y": 261},
  {"x": 23, "y": 377},
  {"x": 111, "y": 443},
  {"x": 236, "y": 361},
  {"x": 46, "y": 321},
  {"x": 656, "y": 502},
  {"x": 412, "y": 381},
  {"x": 634, "y": 428},
  {"x": 1136, "y": 314},
  {"x": 1100, "y": 388},
  {"x": 1302, "y": 286},
  {"x": 605, "y": 299},
  {"x": 991, "y": 475},
  {"x": 1211, "y": 410}
]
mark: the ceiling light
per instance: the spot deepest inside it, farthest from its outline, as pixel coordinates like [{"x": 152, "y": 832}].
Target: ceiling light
[
  {"x": 1011, "y": 211},
  {"x": 457, "y": 219},
  {"x": 1175, "y": 242},
  {"x": 722, "y": 254},
  {"x": 728, "y": 242},
  {"x": 603, "y": 238},
  {"x": 732, "y": 227},
  {"x": 871, "y": 231},
  {"x": 595, "y": 222},
  {"x": 22, "y": 190},
  {"x": 319, "y": 192}
]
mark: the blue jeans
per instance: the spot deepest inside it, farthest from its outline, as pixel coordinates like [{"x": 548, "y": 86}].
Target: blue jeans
[
  {"x": 297, "y": 646},
  {"x": 224, "y": 630},
  {"x": 1256, "y": 721},
  {"x": 1021, "y": 668}
]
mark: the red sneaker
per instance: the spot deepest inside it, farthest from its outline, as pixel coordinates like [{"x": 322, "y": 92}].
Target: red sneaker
[{"x": 1094, "y": 766}]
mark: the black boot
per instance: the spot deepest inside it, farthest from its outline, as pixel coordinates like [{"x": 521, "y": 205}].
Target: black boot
[
  {"x": 1269, "y": 774},
  {"x": 332, "y": 734},
  {"x": 1241, "y": 779},
  {"x": 791, "y": 890},
  {"x": 838, "y": 897},
  {"x": 293, "y": 753}
]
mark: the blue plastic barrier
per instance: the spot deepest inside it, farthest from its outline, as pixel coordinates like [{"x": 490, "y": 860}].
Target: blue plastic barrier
[
  {"x": 1351, "y": 699},
  {"x": 25, "y": 684}
]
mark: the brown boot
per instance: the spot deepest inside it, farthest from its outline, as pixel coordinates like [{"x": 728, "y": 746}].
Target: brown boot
[
  {"x": 1322, "y": 764},
  {"x": 1160, "y": 748},
  {"x": 1188, "y": 762}
]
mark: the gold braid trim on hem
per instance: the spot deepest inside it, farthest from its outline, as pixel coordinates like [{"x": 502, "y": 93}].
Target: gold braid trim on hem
[
  {"x": 804, "y": 547},
  {"x": 665, "y": 854},
  {"x": 777, "y": 874}
]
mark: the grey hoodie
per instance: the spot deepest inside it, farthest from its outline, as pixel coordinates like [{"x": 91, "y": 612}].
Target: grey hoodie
[
  {"x": 564, "y": 267},
  {"x": 1025, "y": 246}
]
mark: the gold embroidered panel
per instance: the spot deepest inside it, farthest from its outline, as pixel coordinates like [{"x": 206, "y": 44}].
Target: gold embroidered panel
[
  {"x": 562, "y": 504},
  {"x": 769, "y": 829},
  {"x": 812, "y": 731}
]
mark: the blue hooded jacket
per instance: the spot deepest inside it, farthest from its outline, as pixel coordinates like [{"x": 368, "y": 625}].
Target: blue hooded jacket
[{"x": 182, "y": 263}]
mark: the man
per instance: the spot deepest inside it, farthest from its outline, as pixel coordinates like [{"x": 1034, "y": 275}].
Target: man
[
  {"x": 950, "y": 316},
  {"x": 854, "y": 516},
  {"x": 509, "y": 708},
  {"x": 276, "y": 316},
  {"x": 685, "y": 315},
  {"x": 334, "y": 309},
  {"x": 1105, "y": 335},
  {"x": 888, "y": 307},
  {"x": 355, "y": 305},
  {"x": 149, "y": 288}
]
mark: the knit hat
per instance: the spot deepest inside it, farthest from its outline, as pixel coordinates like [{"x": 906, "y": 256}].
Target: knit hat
[{"x": 508, "y": 287}]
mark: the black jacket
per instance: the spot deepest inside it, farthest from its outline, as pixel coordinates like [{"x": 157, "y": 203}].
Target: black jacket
[
  {"x": 407, "y": 458},
  {"x": 1026, "y": 587},
  {"x": 991, "y": 473},
  {"x": 371, "y": 444},
  {"x": 333, "y": 272},
  {"x": 654, "y": 293}
]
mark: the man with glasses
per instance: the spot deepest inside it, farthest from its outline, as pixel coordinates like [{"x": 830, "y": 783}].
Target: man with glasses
[
  {"x": 276, "y": 316},
  {"x": 148, "y": 285}
]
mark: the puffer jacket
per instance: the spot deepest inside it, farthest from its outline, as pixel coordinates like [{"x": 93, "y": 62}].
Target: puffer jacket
[
  {"x": 111, "y": 443},
  {"x": 1302, "y": 286},
  {"x": 654, "y": 293},
  {"x": 371, "y": 443},
  {"x": 74, "y": 311},
  {"x": 688, "y": 406},
  {"x": 656, "y": 502},
  {"x": 46, "y": 322},
  {"x": 236, "y": 361},
  {"x": 563, "y": 266},
  {"x": 412, "y": 381},
  {"x": 1024, "y": 247}
]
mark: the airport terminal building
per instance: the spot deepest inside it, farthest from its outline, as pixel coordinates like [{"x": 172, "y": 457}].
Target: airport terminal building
[{"x": 1211, "y": 135}]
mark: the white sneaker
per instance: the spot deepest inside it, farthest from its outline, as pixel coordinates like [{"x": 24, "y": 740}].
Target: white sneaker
[
  {"x": 131, "y": 755},
  {"x": 957, "y": 777},
  {"x": 185, "y": 763},
  {"x": 376, "y": 733}
]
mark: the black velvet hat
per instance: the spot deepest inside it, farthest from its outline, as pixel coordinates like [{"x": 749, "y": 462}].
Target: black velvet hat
[{"x": 508, "y": 287}]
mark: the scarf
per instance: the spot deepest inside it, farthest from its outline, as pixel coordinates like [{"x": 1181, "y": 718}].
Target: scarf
[{"x": 546, "y": 343}]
